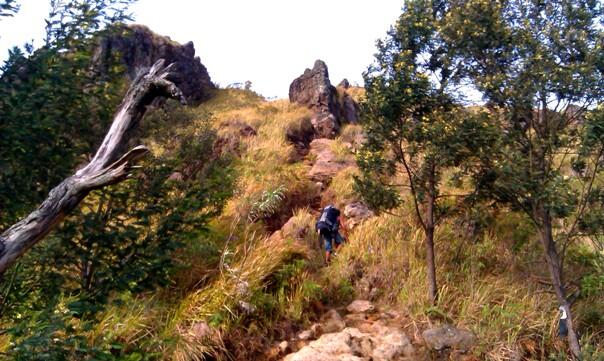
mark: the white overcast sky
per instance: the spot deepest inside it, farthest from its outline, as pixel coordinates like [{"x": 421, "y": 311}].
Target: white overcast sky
[{"x": 269, "y": 42}]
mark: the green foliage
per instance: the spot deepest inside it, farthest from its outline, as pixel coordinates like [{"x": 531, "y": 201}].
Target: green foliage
[
  {"x": 123, "y": 238},
  {"x": 415, "y": 129},
  {"x": 8, "y": 8},
  {"x": 54, "y": 109},
  {"x": 268, "y": 203}
]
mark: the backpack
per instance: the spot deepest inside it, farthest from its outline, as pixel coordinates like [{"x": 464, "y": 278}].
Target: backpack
[{"x": 328, "y": 221}]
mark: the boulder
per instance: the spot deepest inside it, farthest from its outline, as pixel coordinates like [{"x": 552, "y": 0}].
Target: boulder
[
  {"x": 294, "y": 230},
  {"x": 448, "y": 336},
  {"x": 356, "y": 213},
  {"x": 136, "y": 47},
  {"x": 332, "y": 322},
  {"x": 325, "y": 125},
  {"x": 360, "y": 306},
  {"x": 300, "y": 133},
  {"x": 283, "y": 346},
  {"x": 314, "y": 90}
]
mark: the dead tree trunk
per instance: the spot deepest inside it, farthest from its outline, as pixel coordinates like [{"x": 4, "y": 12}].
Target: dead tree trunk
[{"x": 110, "y": 165}]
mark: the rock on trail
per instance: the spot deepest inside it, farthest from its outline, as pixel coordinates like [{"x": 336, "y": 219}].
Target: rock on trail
[{"x": 356, "y": 338}]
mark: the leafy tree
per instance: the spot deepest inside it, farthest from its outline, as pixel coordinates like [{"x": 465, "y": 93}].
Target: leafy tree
[
  {"x": 539, "y": 65},
  {"x": 8, "y": 8},
  {"x": 53, "y": 109},
  {"x": 123, "y": 239},
  {"x": 415, "y": 127}
]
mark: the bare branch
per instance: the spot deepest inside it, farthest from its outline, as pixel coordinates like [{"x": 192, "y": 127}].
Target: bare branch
[{"x": 110, "y": 165}]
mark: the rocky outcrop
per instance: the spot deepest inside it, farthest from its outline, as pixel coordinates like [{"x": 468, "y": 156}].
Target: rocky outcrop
[
  {"x": 314, "y": 90},
  {"x": 344, "y": 84},
  {"x": 349, "y": 109},
  {"x": 136, "y": 47},
  {"x": 331, "y": 106}
]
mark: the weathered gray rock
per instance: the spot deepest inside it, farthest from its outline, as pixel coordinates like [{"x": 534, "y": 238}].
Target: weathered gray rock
[
  {"x": 360, "y": 306},
  {"x": 349, "y": 109},
  {"x": 136, "y": 47},
  {"x": 344, "y": 84},
  {"x": 448, "y": 336},
  {"x": 306, "y": 335},
  {"x": 314, "y": 90},
  {"x": 332, "y": 322},
  {"x": 325, "y": 125},
  {"x": 283, "y": 346},
  {"x": 356, "y": 213},
  {"x": 381, "y": 343},
  {"x": 390, "y": 343}
]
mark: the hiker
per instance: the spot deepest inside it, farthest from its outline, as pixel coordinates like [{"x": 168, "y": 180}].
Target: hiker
[{"x": 328, "y": 229}]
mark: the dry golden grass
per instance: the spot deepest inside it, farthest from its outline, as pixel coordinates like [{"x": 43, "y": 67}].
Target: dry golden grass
[
  {"x": 508, "y": 314},
  {"x": 129, "y": 322},
  {"x": 482, "y": 284},
  {"x": 253, "y": 262}
]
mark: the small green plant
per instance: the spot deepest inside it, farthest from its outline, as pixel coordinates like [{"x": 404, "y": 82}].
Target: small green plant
[{"x": 268, "y": 204}]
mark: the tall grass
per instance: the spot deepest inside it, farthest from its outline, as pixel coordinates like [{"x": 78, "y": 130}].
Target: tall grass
[
  {"x": 477, "y": 290},
  {"x": 217, "y": 304}
]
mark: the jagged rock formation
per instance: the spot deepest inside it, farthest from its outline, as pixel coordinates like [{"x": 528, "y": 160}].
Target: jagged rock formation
[
  {"x": 314, "y": 90},
  {"x": 344, "y": 84},
  {"x": 349, "y": 109},
  {"x": 136, "y": 46}
]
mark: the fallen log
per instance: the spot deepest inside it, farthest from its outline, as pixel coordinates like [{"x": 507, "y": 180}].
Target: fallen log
[{"x": 110, "y": 165}]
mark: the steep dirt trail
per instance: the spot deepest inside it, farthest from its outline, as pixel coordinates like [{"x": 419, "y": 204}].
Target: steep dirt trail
[{"x": 364, "y": 332}]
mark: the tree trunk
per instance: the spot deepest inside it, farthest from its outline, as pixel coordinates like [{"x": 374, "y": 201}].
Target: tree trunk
[
  {"x": 429, "y": 232},
  {"x": 109, "y": 166},
  {"x": 555, "y": 270},
  {"x": 431, "y": 268}
]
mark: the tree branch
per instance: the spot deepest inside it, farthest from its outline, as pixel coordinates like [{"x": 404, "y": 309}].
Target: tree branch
[{"x": 109, "y": 165}]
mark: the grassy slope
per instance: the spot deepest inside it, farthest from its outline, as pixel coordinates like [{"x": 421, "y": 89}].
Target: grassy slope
[{"x": 484, "y": 285}]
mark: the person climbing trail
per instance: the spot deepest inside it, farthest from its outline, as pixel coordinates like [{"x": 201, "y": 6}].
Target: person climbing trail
[{"x": 328, "y": 226}]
